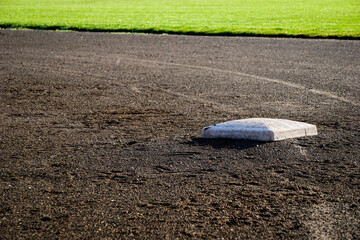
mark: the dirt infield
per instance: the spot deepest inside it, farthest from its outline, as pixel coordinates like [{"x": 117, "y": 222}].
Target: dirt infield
[{"x": 100, "y": 137}]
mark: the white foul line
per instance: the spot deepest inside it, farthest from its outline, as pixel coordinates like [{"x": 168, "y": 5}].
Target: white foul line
[{"x": 278, "y": 81}]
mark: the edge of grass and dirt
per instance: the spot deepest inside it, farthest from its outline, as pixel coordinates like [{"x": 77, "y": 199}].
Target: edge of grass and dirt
[
  {"x": 329, "y": 19},
  {"x": 171, "y": 32}
]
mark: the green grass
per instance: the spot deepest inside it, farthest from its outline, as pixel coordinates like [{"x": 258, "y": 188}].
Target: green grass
[{"x": 306, "y": 18}]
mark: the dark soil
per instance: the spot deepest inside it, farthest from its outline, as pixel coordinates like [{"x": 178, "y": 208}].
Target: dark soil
[{"x": 100, "y": 137}]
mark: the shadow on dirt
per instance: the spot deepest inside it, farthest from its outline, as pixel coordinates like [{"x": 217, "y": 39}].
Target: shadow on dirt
[{"x": 219, "y": 143}]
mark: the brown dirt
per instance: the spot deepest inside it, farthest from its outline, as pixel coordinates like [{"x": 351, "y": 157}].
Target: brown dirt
[{"x": 100, "y": 137}]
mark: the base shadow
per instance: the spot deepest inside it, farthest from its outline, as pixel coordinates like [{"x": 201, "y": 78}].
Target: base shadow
[{"x": 219, "y": 143}]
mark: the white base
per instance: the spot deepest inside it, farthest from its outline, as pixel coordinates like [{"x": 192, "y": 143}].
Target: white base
[{"x": 260, "y": 129}]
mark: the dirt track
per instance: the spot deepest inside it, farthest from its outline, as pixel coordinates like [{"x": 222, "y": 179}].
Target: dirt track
[{"x": 100, "y": 137}]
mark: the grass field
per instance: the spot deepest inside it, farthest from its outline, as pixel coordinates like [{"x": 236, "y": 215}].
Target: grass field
[{"x": 307, "y": 18}]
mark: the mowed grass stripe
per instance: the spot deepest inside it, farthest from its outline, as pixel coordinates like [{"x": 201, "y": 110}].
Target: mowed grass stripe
[{"x": 307, "y": 18}]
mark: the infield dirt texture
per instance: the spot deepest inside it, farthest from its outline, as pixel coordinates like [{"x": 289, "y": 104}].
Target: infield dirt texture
[{"x": 100, "y": 137}]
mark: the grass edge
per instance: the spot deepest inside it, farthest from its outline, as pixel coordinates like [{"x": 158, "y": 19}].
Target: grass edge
[{"x": 192, "y": 33}]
